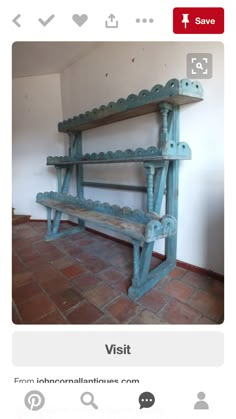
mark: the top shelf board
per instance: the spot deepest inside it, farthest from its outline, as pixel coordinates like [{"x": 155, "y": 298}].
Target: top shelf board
[{"x": 176, "y": 92}]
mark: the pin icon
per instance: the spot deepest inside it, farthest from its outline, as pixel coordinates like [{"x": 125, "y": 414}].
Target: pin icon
[{"x": 185, "y": 19}]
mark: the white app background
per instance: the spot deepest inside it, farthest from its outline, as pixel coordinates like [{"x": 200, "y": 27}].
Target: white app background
[{"x": 176, "y": 389}]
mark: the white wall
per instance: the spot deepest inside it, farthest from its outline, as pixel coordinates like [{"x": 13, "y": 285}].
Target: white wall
[
  {"x": 115, "y": 70},
  {"x": 36, "y": 112}
]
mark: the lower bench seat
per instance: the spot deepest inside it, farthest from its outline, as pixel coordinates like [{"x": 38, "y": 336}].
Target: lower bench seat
[
  {"x": 143, "y": 228},
  {"x": 138, "y": 225}
]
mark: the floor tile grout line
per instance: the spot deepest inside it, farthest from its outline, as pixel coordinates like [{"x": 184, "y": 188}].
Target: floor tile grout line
[
  {"x": 48, "y": 297},
  {"x": 181, "y": 279},
  {"x": 17, "y": 311}
]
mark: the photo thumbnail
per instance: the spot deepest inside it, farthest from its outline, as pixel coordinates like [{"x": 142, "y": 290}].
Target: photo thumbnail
[{"x": 118, "y": 183}]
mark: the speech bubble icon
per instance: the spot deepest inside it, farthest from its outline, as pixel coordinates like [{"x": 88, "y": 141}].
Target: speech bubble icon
[{"x": 146, "y": 400}]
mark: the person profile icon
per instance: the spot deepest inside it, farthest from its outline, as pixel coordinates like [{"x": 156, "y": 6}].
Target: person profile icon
[{"x": 201, "y": 404}]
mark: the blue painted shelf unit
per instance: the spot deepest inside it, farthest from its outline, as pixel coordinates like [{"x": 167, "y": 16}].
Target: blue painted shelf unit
[{"x": 161, "y": 165}]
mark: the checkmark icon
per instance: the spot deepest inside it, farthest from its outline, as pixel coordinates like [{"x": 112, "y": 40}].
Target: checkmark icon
[{"x": 47, "y": 21}]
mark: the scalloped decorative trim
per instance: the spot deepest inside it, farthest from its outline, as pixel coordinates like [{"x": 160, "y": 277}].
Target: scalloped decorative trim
[
  {"x": 104, "y": 207},
  {"x": 139, "y": 153},
  {"x": 173, "y": 87}
]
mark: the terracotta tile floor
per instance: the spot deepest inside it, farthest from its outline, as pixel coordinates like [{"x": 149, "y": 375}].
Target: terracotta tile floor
[{"x": 84, "y": 278}]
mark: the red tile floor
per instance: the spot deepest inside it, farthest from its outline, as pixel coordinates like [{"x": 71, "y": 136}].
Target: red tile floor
[{"x": 84, "y": 278}]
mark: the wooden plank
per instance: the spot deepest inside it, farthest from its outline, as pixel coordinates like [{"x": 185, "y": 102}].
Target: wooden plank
[
  {"x": 135, "y": 292},
  {"x": 130, "y": 160},
  {"x": 116, "y": 186},
  {"x": 74, "y": 230},
  {"x": 175, "y": 92},
  {"x": 136, "y": 224},
  {"x": 129, "y": 114},
  {"x": 130, "y": 228}
]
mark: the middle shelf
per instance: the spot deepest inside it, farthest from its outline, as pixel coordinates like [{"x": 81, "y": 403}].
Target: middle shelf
[{"x": 180, "y": 151}]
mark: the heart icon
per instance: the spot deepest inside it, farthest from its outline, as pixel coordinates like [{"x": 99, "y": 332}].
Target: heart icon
[{"x": 80, "y": 20}]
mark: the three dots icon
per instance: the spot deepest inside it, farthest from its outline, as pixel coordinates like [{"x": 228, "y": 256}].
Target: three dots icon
[{"x": 144, "y": 20}]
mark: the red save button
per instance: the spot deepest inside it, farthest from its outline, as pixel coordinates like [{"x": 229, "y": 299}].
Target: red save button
[{"x": 198, "y": 20}]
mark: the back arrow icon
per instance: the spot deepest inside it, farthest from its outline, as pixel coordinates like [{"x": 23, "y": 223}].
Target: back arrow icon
[{"x": 15, "y": 21}]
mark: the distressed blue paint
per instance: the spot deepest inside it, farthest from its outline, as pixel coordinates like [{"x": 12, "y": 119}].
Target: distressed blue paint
[
  {"x": 115, "y": 210},
  {"x": 59, "y": 169},
  {"x": 171, "y": 151},
  {"x": 65, "y": 187},
  {"x": 173, "y": 191},
  {"x": 67, "y": 179},
  {"x": 87, "y": 210},
  {"x": 79, "y": 168},
  {"x": 64, "y": 233},
  {"x": 136, "y": 262},
  {"x": 165, "y": 109},
  {"x": 115, "y": 186},
  {"x": 161, "y": 164},
  {"x": 150, "y": 173},
  {"x": 145, "y": 260},
  {"x": 160, "y": 185},
  {"x": 135, "y": 292},
  {"x": 49, "y": 220},
  {"x": 71, "y": 141},
  {"x": 77, "y": 150},
  {"x": 175, "y": 92}
]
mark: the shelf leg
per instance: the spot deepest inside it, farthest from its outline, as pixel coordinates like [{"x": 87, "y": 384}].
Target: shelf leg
[
  {"x": 160, "y": 184},
  {"x": 49, "y": 220},
  {"x": 79, "y": 181},
  {"x": 79, "y": 170},
  {"x": 165, "y": 109},
  {"x": 172, "y": 188},
  {"x": 150, "y": 174},
  {"x": 59, "y": 169},
  {"x": 65, "y": 187},
  {"x": 136, "y": 260},
  {"x": 139, "y": 282},
  {"x": 172, "y": 207}
]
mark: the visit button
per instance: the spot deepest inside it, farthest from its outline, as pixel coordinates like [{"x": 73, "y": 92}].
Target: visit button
[{"x": 198, "y": 20}]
